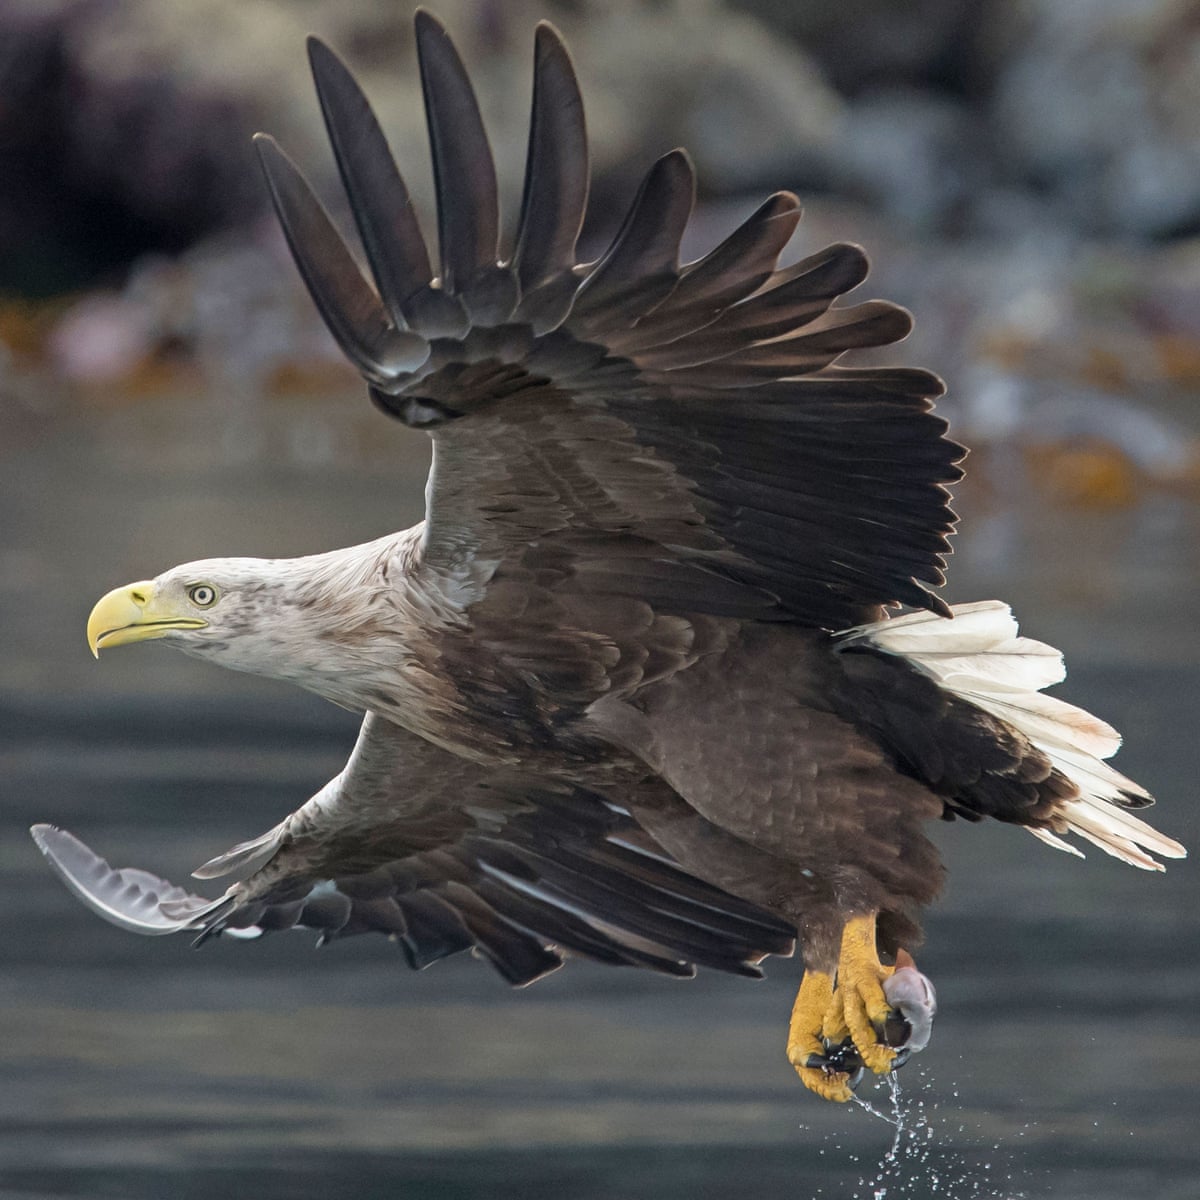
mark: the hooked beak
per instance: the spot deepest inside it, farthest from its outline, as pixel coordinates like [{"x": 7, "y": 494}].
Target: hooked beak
[{"x": 133, "y": 614}]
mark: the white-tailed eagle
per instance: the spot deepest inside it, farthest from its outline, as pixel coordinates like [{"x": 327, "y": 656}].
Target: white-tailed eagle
[{"x": 631, "y": 689}]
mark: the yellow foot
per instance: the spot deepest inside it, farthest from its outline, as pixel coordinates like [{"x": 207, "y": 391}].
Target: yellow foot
[
  {"x": 837, "y": 1029},
  {"x": 806, "y": 1042},
  {"x": 860, "y": 983}
]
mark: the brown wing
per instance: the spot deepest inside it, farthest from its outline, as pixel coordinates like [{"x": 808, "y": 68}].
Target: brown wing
[
  {"x": 629, "y": 428},
  {"x": 442, "y": 855}
]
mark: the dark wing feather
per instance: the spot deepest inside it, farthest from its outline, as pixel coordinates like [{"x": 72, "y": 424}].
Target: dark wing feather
[
  {"x": 696, "y": 410},
  {"x": 443, "y": 855},
  {"x": 556, "y": 170},
  {"x": 820, "y": 340},
  {"x": 381, "y": 205},
  {"x": 808, "y": 290},
  {"x": 742, "y": 263},
  {"x": 464, "y": 175},
  {"x": 641, "y": 267},
  {"x": 979, "y": 765},
  {"x": 350, "y": 305}
]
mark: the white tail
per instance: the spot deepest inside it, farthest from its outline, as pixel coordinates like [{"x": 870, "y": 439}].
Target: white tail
[{"x": 979, "y": 656}]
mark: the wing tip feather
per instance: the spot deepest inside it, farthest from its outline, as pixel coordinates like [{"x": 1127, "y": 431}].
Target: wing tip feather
[
  {"x": 427, "y": 24},
  {"x": 316, "y": 47},
  {"x": 549, "y": 41}
]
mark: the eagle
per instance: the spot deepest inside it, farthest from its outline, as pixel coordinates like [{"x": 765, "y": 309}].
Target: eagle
[{"x": 637, "y": 689}]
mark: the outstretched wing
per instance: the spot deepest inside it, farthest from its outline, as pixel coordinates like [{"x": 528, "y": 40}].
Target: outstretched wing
[
  {"x": 630, "y": 427},
  {"x": 443, "y": 855}
]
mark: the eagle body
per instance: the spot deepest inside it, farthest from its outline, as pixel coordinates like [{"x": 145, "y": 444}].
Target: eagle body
[{"x": 635, "y": 689}]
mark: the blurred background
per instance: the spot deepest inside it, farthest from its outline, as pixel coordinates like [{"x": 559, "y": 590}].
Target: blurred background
[{"x": 1025, "y": 175}]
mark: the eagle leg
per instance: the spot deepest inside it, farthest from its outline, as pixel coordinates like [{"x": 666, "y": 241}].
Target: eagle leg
[
  {"x": 817, "y": 1011},
  {"x": 872, "y": 1016},
  {"x": 866, "y": 1013}
]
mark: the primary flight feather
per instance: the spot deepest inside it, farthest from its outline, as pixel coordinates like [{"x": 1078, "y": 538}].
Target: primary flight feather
[{"x": 631, "y": 689}]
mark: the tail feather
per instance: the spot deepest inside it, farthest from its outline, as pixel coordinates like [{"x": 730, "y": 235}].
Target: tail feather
[
  {"x": 1101, "y": 779},
  {"x": 1047, "y": 721},
  {"x": 980, "y": 657},
  {"x": 1052, "y": 839},
  {"x": 1119, "y": 834}
]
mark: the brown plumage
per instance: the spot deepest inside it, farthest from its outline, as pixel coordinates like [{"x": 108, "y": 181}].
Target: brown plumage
[{"x": 631, "y": 689}]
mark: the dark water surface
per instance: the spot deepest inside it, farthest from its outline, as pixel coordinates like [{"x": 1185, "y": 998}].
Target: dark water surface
[{"x": 1066, "y": 1060}]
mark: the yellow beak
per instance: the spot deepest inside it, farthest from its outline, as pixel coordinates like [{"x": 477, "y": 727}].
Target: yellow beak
[{"x": 133, "y": 614}]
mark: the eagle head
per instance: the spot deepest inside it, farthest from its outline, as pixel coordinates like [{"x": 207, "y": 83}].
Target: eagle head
[
  {"x": 205, "y": 608},
  {"x": 309, "y": 620},
  {"x": 348, "y": 624}
]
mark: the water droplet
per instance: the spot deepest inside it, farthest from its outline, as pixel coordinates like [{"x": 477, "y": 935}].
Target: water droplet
[{"x": 926, "y": 1158}]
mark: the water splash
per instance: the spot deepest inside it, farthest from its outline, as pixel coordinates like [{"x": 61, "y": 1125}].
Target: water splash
[
  {"x": 893, "y": 1118},
  {"x": 927, "y": 1159}
]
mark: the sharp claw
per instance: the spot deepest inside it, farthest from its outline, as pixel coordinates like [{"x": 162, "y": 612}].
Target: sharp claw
[
  {"x": 902, "y": 1056},
  {"x": 843, "y": 1056},
  {"x": 840, "y": 1059}
]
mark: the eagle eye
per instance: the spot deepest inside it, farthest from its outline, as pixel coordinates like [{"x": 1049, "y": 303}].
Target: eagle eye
[{"x": 202, "y": 595}]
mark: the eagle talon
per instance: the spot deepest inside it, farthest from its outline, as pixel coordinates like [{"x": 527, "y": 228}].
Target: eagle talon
[
  {"x": 864, "y": 1005},
  {"x": 868, "y": 1016},
  {"x": 844, "y": 1056},
  {"x": 838, "y": 1060}
]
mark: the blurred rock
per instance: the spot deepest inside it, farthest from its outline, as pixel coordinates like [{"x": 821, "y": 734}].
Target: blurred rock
[
  {"x": 125, "y": 127},
  {"x": 121, "y": 130},
  {"x": 124, "y": 124},
  {"x": 101, "y": 338},
  {"x": 229, "y": 317},
  {"x": 750, "y": 108},
  {"x": 916, "y": 154},
  {"x": 1084, "y": 109},
  {"x": 1096, "y": 105},
  {"x": 864, "y": 44},
  {"x": 1083, "y": 445}
]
